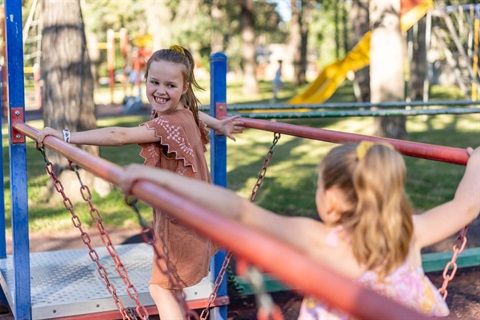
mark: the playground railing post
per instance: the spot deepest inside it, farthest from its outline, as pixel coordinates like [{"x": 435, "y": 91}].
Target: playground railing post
[
  {"x": 218, "y": 153},
  {"x": 18, "y": 162}
]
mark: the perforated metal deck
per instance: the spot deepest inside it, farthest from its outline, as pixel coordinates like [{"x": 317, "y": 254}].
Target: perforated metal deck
[{"x": 67, "y": 283}]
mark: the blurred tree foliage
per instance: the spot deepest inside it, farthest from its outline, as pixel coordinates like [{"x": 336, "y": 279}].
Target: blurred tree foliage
[{"x": 196, "y": 23}]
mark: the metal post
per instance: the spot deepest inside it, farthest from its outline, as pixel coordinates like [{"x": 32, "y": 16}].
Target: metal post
[
  {"x": 3, "y": 241},
  {"x": 218, "y": 153},
  {"x": 18, "y": 161}
]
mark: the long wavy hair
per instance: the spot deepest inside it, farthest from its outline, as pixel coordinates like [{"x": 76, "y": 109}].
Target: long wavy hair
[
  {"x": 379, "y": 221},
  {"x": 185, "y": 58}
]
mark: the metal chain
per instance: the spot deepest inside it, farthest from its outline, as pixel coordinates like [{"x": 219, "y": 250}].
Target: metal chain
[
  {"x": 104, "y": 236},
  {"x": 84, "y": 235},
  {"x": 266, "y": 162},
  {"x": 237, "y": 287},
  {"x": 148, "y": 237},
  {"x": 218, "y": 282},
  {"x": 228, "y": 257},
  {"x": 266, "y": 307},
  {"x": 452, "y": 264}
]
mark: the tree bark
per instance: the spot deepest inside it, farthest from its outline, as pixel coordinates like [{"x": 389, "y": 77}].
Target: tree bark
[
  {"x": 217, "y": 36},
  {"x": 361, "y": 25},
  {"x": 386, "y": 64},
  {"x": 305, "y": 19},
  {"x": 250, "y": 84},
  {"x": 67, "y": 78},
  {"x": 295, "y": 39},
  {"x": 418, "y": 68}
]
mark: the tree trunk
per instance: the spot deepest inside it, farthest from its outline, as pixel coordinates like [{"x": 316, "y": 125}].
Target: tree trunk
[
  {"x": 67, "y": 78},
  {"x": 217, "y": 35},
  {"x": 418, "y": 69},
  {"x": 295, "y": 41},
  {"x": 386, "y": 64},
  {"x": 361, "y": 25},
  {"x": 250, "y": 85},
  {"x": 337, "y": 29},
  {"x": 305, "y": 19},
  {"x": 346, "y": 40}
]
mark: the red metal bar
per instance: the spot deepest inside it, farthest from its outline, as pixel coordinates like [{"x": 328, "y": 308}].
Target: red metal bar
[
  {"x": 270, "y": 254},
  {"x": 408, "y": 148},
  {"x": 152, "y": 310}
]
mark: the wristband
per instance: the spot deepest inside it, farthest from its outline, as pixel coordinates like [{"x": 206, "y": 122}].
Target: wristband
[{"x": 66, "y": 135}]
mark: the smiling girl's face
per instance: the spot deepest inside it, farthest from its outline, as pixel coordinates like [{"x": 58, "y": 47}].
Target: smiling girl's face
[{"x": 165, "y": 86}]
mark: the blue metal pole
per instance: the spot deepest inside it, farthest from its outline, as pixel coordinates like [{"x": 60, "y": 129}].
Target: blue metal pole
[
  {"x": 18, "y": 160},
  {"x": 3, "y": 242},
  {"x": 218, "y": 152}
]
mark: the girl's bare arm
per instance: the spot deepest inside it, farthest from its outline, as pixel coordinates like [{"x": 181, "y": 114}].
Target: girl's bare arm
[
  {"x": 225, "y": 203},
  {"x": 441, "y": 222},
  {"x": 109, "y": 136}
]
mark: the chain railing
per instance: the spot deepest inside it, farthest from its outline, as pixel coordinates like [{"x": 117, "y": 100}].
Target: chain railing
[
  {"x": 104, "y": 236},
  {"x": 126, "y": 314},
  {"x": 451, "y": 266},
  {"x": 168, "y": 269}
]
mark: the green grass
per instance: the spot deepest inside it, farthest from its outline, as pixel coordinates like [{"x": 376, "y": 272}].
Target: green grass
[{"x": 290, "y": 182}]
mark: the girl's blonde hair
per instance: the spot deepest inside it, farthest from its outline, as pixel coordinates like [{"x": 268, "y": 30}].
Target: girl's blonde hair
[
  {"x": 181, "y": 55},
  {"x": 379, "y": 221}
]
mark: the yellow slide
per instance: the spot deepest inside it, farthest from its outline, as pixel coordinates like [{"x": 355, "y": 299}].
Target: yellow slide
[{"x": 334, "y": 74}]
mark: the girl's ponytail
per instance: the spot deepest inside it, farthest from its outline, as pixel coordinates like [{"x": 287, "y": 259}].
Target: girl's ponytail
[
  {"x": 384, "y": 227},
  {"x": 189, "y": 98},
  {"x": 379, "y": 222}
]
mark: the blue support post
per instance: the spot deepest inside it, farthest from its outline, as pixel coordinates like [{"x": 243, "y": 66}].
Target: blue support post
[
  {"x": 18, "y": 160},
  {"x": 218, "y": 152},
  {"x": 3, "y": 240}
]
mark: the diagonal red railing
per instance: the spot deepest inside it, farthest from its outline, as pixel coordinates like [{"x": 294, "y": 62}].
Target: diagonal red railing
[
  {"x": 408, "y": 148},
  {"x": 296, "y": 270}
]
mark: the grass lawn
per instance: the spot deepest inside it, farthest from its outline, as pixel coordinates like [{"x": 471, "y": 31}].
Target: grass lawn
[{"x": 290, "y": 183}]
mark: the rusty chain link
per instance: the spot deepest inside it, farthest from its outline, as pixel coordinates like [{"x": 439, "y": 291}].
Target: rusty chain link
[
  {"x": 228, "y": 257},
  {"x": 266, "y": 162},
  {"x": 452, "y": 264},
  {"x": 104, "y": 236},
  {"x": 169, "y": 270},
  {"x": 84, "y": 235},
  {"x": 266, "y": 307},
  {"x": 216, "y": 286}
]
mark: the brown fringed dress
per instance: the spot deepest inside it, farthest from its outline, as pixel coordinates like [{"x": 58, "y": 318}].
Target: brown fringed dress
[{"x": 181, "y": 149}]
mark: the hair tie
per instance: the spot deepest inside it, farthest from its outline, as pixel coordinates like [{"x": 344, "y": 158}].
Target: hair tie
[
  {"x": 365, "y": 145},
  {"x": 178, "y": 49}
]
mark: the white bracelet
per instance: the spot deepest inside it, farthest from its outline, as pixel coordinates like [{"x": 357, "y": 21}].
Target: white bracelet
[{"x": 66, "y": 135}]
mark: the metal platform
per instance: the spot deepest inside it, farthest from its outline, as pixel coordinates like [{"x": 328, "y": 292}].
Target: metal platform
[{"x": 66, "y": 283}]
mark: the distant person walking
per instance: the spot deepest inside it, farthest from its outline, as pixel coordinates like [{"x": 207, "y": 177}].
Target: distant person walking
[
  {"x": 277, "y": 82},
  {"x": 137, "y": 64}
]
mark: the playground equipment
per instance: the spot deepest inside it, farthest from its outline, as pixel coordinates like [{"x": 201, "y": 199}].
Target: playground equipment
[
  {"x": 334, "y": 74},
  {"x": 15, "y": 287},
  {"x": 19, "y": 282},
  {"x": 354, "y": 109}
]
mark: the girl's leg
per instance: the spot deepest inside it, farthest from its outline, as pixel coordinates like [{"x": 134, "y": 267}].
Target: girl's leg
[{"x": 167, "y": 305}]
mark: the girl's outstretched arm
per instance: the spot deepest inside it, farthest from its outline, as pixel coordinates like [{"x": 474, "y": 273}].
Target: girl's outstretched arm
[
  {"x": 441, "y": 222},
  {"x": 226, "y": 126},
  {"x": 109, "y": 136},
  {"x": 225, "y": 203}
]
